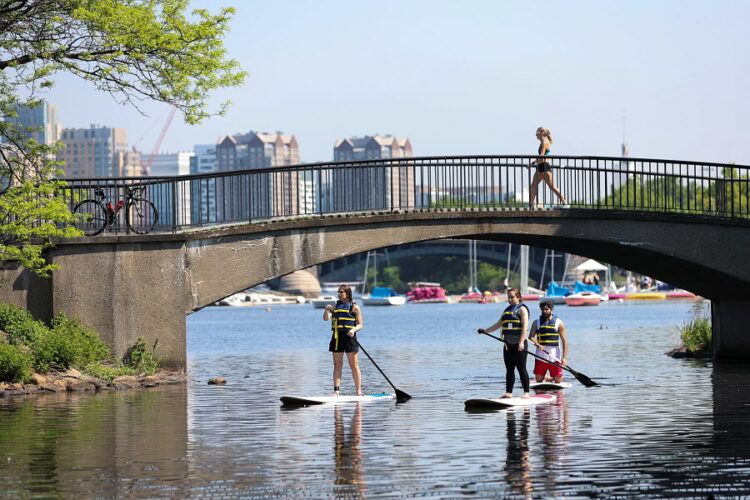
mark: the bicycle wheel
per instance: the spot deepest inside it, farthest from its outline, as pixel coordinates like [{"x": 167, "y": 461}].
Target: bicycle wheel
[
  {"x": 94, "y": 217},
  {"x": 141, "y": 215}
]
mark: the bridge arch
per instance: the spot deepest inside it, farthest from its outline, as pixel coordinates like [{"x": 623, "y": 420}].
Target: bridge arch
[
  {"x": 113, "y": 280},
  {"x": 487, "y": 251}
]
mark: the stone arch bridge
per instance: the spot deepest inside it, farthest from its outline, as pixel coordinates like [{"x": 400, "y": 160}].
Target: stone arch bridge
[{"x": 686, "y": 224}]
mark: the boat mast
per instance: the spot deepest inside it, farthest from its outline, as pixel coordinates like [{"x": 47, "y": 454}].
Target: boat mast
[
  {"x": 524, "y": 269},
  {"x": 472, "y": 265},
  {"x": 367, "y": 266}
]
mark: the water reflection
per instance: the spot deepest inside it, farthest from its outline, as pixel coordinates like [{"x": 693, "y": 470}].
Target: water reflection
[
  {"x": 517, "y": 463},
  {"x": 53, "y": 444},
  {"x": 348, "y": 462},
  {"x": 731, "y": 399},
  {"x": 670, "y": 428},
  {"x": 554, "y": 427}
]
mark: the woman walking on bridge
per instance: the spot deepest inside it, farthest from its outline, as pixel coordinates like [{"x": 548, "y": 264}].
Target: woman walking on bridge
[
  {"x": 543, "y": 168},
  {"x": 346, "y": 322}
]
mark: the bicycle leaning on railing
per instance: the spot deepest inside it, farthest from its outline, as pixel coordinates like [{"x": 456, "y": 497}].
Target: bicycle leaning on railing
[{"x": 96, "y": 215}]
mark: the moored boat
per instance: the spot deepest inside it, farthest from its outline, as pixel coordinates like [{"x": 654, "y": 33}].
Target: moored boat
[
  {"x": 322, "y": 301},
  {"x": 617, "y": 296},
  {"x": 382, "y": 296},
  {"x": 646, "y": 296},
  {"x": 397, "y": 300},
  {"x": 243, "y": 299},
  {"x": 427, "y": 293},
  {"x": 555, "y": 294},
  {"x": 583, "y": 299},
  {"x": 554, "y": 299},
  {"x": 681, "y": 295}
]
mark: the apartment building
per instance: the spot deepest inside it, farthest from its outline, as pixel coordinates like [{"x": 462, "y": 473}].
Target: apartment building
[
  {"x": 97, "y": 151},
  {"x": 374, "y": 185}
]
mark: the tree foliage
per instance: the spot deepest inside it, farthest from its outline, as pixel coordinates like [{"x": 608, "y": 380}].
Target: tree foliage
[
  {"x": 727, "y": 195},
  {"x": 134, "y": 50}
]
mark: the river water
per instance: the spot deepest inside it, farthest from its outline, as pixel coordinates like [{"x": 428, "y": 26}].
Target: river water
[{"x": 657, "y": 427}]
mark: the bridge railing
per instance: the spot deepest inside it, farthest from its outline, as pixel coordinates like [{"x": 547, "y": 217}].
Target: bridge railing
[{"x": 432, "y": 183}]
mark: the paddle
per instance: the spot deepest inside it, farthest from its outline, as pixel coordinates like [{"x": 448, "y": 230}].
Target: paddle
[
  {"x": 401, "y": 396},
  {"x": 578, "y": 375}
]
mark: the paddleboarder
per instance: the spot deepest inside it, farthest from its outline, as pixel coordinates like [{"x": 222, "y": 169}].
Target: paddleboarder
[
  {"x": 346, "y": 319},
  {"x": 514, "y": 324},
  {"x": 547, "y": 333}
]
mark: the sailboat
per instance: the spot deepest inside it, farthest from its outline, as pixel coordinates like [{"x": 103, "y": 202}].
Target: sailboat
[{"x": 379, "y": 295}]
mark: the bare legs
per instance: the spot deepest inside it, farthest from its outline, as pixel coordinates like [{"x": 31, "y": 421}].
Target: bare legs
[
  {"x": 534, "y": 188},
  {"x": 338, "y": 365}
]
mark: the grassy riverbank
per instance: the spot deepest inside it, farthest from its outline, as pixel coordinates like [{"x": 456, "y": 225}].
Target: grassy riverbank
[{"x": 29, "y": 347}]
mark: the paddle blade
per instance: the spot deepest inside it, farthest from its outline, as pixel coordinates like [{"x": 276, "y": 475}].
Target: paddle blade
[
  {"x": 583, "y": 379},
  {"x": 401, "y": 396}
]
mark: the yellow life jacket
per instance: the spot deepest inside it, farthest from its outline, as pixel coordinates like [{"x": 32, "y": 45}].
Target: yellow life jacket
[
  {"x": 547, "y": 331},
  {"x": 343, "y": 320}
]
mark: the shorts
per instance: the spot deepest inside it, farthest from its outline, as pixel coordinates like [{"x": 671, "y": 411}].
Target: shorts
[
  {"x": 543, "y": 167},
  {"x": 346, "y": 344},
  {"x": 541, "y": 368}
]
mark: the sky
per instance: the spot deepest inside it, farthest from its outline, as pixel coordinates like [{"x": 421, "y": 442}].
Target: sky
[{"x": 472, "y": 77}]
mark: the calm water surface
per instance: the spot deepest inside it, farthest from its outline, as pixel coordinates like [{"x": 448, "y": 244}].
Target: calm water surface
[{"x": 660, "y": 428}]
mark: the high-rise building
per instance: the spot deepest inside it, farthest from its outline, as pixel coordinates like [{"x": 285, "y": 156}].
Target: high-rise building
[
  {"x": 129, "y": 163},
  {"x": 171, "y": 164},
  {"x": 42, "y": 118},
  {"x": 96, "y": 152},
  {"x": 204, "y": 188},
  {"x": 370, "y": 187},
  {"x": 169, "y": 195},
  {"x": 256, "y": 150},
  {"x": 371, "y": 148},
  {"x": 271, "y": 194}
]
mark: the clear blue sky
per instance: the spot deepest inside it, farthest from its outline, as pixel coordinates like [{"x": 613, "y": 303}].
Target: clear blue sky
[{"x": 473, "y": 77}]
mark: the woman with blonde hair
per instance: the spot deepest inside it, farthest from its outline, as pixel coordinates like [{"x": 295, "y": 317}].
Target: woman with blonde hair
[{"x": 543, "y": 168}]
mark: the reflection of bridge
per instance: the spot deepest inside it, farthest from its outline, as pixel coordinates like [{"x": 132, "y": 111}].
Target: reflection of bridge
[{"x": 683, "y": 223}]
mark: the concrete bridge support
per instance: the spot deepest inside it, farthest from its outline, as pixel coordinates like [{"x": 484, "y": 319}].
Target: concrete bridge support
[
  {"x": 125, "y": 291},
  {"x": 731, "y": 337}
]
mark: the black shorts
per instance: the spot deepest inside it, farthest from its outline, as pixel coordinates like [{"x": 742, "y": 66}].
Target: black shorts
[
  {"x": 346, "y": 344},
  {"x": 543, "y": 167}
]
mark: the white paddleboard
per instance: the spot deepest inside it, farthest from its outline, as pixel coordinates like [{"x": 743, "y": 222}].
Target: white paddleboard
[
  {"x": 536, "y": 399},
  {"x": 321, "y": 400},
  {"x": 550, "y": 386}
]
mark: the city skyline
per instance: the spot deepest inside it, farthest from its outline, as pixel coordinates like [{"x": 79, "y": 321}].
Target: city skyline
[{"x": 472, "y": 79}]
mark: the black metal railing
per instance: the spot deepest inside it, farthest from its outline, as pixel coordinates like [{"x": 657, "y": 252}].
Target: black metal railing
[{"x": 427, "y": 183}]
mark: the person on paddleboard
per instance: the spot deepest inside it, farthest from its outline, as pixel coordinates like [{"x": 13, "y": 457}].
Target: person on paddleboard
[
  {"x": 514, "y": 324},
  {"x": 346, "y": 321},
  {"x": 547, "y": 333}
]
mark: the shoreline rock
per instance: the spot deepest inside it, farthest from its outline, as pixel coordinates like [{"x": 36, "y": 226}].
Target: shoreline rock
[
  {"x": 74, "y": 381},
  {"x": 682, "y": 353}
]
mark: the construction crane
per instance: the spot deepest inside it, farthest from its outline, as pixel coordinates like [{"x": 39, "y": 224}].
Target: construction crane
[{"x": 146, "y": 165}]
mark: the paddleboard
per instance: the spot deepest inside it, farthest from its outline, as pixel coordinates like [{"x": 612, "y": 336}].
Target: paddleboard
[
  {"x": 536, "y": 399},
  {"x": 550, "y": 386},
  {"x": 321, "y": 400}
]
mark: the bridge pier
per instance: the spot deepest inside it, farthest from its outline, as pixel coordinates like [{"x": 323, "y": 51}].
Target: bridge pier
[
  {"x": 729, "y": 319},
  {"x": 124, "y": 291}
]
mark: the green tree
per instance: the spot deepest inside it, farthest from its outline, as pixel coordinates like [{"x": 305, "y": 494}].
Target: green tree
[
  {"x": 727, "y": 194},
  {"x": 134, "y": 50}
]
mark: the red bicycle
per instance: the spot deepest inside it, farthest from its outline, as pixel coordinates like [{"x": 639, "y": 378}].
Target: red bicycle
[{"x": 95, "y": 215}]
